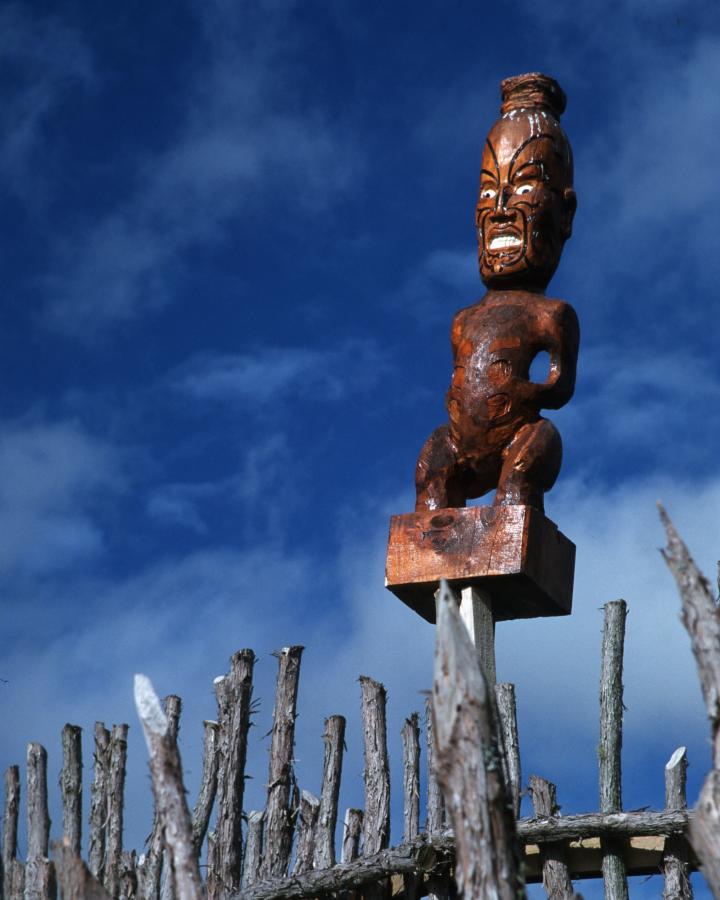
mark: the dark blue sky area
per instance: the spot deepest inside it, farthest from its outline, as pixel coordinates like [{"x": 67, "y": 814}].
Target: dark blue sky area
[{"x": 235, "y": 234}]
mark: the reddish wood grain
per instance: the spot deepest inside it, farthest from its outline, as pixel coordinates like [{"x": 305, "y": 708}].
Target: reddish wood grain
[{"x": 514, "y": 552}]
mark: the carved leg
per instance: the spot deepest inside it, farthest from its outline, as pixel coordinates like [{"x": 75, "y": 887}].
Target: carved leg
[
  {"x": 531, "y": 463},
  {"x": 436, "y": 476}
]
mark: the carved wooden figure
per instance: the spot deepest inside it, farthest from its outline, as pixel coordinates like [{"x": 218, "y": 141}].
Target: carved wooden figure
[{"x": 495, "y": 437}]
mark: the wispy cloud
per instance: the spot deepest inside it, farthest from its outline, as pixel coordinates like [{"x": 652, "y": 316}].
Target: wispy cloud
[
  {"x": 282, "y": 374},
  {"x": 42, "y": 60},
  {"x": 51, "y": 477},
  {"x": 240, "y": 136}
]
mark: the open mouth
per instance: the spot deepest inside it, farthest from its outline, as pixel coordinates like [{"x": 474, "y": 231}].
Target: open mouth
[{"x": 505, "y": 242}]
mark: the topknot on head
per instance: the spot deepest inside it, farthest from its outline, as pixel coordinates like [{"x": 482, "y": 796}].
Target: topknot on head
[{"x": 532, "y": 91}]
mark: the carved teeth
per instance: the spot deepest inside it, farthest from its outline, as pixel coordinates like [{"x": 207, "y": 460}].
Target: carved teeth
[{"x": 501, "y": 242}]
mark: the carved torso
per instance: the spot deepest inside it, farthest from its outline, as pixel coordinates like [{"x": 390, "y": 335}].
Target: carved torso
[{"x": 494, "y": 343}]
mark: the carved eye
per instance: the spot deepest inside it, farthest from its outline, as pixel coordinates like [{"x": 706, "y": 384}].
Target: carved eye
[
  {"x": 524, "y": 189},
  {"x": 487, "y": 193}
]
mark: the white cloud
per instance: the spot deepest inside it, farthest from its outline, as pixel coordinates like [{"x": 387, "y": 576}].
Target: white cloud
[
  {"x": 42, "y": 60},
  {"x": 283, "y": 373},
  {"x": 50, "y": 477},
  {"x": 240, "y": 135}
]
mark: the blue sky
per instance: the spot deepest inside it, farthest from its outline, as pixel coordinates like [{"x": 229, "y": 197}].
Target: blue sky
[{"x": 234, "y": 236}]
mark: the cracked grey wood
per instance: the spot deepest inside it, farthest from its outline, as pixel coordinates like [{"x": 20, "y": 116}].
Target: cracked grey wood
[
  {"x": 115, "y": 801},
  {"x": 71, "y": 786},
  {"x": 556, "y": 875},
  {"x": 610, "y": 747},
  {"x": 507, "y": 720},
  {"x": 306, "y": 827},
  {"x": 281, "y": 777},
  {"x": 39, "y": 871},
  {"x": 675, "y": 856},
  {"x": 334, "y": 744},
  {"x": 13, "y": 869},
  {"x": 469, "y": 765},
  {"x": 253, "y": 848},
  {"x": 208, "y": 783},
  {"x": 98, "y": 801},
  {"x": 169, "y": 793}
]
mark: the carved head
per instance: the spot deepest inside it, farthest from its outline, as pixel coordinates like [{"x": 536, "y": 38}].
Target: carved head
[{"x": 526, "y": 202}]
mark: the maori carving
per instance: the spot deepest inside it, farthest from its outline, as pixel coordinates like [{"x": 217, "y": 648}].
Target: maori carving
[{"x": 495, "y": 436}]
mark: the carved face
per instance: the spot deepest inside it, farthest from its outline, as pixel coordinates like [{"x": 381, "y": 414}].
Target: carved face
[{"x": 526, "y": 203}]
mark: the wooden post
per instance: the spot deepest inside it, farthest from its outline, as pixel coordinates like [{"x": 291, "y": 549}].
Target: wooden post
[
  {"x": 234, "y": 697},
  {"x": 71, "y": 786},
  {"x": 253, "y": 848},
  {"x": 278, "y": 813},
  {"x": 352, "y": 832},
  {"x": 435, "y": 807},
  {"x": 208, "y": 784},
  {"x": 115, "y": 800},
  {"x": 609, "y": 750},
  {"x": 334, "y": 742},
  {"x": 469, "y": 765},
  {"x": 438, "y": 884},
  {"x": 39, "y": 873},
  {"x": 307, "y": 822},
  {"x": 556, "y": 875},
  {"x": 169, "y": 792},
  {"x": 507, "y": 716},
  {"x": 13, "y": 869},
  {"x": 376, "y": 819},
  {"x": 675, "y": 858},
  {"x": 98, "y": 801},
  {"x": 411, "y": 796}
]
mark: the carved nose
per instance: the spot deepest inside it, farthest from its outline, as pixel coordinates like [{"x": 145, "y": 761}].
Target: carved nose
[{"x": 501, "y": 201}]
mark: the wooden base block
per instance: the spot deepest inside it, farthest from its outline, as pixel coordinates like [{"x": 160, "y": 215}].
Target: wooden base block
[{"x": 514, "y": 553}]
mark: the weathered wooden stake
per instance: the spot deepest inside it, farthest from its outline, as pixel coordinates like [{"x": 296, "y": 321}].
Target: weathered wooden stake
[
  {"x": 13, "y": 869},
  {"x": 307, "y": 822},
  {"x": 609, "y": 750},
  {"x": 169, "y": 792},
  {"x": 376, "y": 817},
  {"x": 71, "y": 786},
  {"x": 39, "y": 871},
  {"x": 115, "y": 800},
  {"x": 98, "y": 801},
  {"x": 438, "y": 884},
  {"x": 253, "y": 848},
  {"x": 507, "y": 716},
  {"x": 334, "y": 740},
  {"x": 208, "y": 783},
  {"x": 411, "y": 794},
  {"x": 556, "y": 875},
  {"x": 469, "y": 765},
  {"x": 675, "y": 857},
  {"x": 352, "y": 832},
  {"x": 234, "y": 698},
  {"x": 278, "y": 812},
  {"x": 435, "y": 807}
]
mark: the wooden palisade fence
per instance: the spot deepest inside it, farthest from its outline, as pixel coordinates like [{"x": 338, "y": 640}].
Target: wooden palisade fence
[{"x": 288, "y": 849}]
